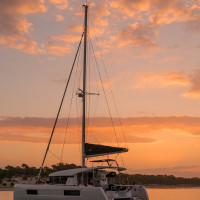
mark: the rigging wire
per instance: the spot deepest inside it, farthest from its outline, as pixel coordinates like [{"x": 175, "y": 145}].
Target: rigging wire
[
  {"x": 109, "y": 83},
  {"x": 95, "y": 109},
  {"x": 114, "y": 159},
  {"x": 89, "y": 105},
  {"x": 56, "y": 157},
  {"x": 72, "y": 96},
  {"x": 105, "y": 96},
  {"x": 97, "y": 98},
  {"x": 111, "y": 92},
  {"x": 59, "y": 108},
  {"x": 96, "y": 103},
  {"x": 77, "y": 110}
]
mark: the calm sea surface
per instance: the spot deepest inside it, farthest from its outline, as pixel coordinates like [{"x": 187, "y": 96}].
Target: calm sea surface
[{"x": 154, "y": 194}]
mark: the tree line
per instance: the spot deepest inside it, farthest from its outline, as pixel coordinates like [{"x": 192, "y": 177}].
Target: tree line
[
  {"x": 26, "y": 171},
  {"x": 159, "y": 180}
]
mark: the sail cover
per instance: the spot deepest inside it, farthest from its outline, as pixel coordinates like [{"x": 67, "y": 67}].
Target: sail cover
[{"x": 93, "y": 150}]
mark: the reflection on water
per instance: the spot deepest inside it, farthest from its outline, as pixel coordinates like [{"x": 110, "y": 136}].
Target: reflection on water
[
  {"x": 154, "y": 194},
  {"x": 6, "y": 195}
]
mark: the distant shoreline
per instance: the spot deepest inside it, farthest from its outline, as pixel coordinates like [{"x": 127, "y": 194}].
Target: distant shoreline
[
  {"x": 6, "y": 189},
  {"x": 28, "y": 175},
  {"x": 170, "y": 186},
  {"x": 147, "y": 186}
]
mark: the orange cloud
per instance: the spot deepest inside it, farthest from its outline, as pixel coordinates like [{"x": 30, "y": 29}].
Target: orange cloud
[
  {"x": 37, "y": 130},
  {"x": 22, "y": 6},
  {"x": 184, "y": 124},
  {"x": 194, "y": 90},
  {"x": 97, "y": 17},
  {"x": 162, "y": 78},
  {"x": 67, "y": 38},
  {"x": 107, "y": 84},
  {"x": 149, "y": 15},
  {"x": 60, "y": 4},
  {"x": 59, "y": 49},
  {"x": 99, "y": 12},
  {"x": 59, "y": 45},
  {"x": 14, "y": 27},
  {"x": 193, "y": 19},
  {"x": 129, "y": 7},
  {"x": 60, "y": 18},
  {"x": 158, "y": 12},
  {"x": 76, "y": 28},
  {"x": 138, "y": 35},
  {"x": 183, "y": 79}
]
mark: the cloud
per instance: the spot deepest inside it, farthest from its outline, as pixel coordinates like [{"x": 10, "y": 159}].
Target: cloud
[
  {"x": 22, "y": 6},
  {"x": 105, "y": 46},
  {"x": 97, "y": 17},
  {"x": 98, "y": 24},
  {"x": 194, "y": 90},
  {"x": 37, "y": 130},
  {"x": 181, "y": 79},
  {"x": 58, "y": 49},
  {"x": 137, "y": 129},
  {"x": 107, "y": 84},
  {"x": 62, "y": 44},
  {"x": 193, "y": 21},
  {"x": 76, "y": 28},
  {"x": 158, "y": 12},
  {"x": 146, "y": 125},
  {"x": 14, "y": 27},
  {"x": 100, "y": 11},
  {"x": 60, "y": 4},
  {"x": 70, "y": 38},
  {"x": 59, "y": 18},
  {"x": 139, "y": 35},
  {"x": 148, "y": 16},
  {"x": 161, "y": 79}
]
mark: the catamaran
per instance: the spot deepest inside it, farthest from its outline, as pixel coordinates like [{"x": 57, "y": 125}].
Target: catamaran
[{"x": 85, "y": 183}]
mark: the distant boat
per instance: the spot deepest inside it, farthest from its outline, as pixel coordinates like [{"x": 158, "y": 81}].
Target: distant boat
[{"x": 92, "y": 183}]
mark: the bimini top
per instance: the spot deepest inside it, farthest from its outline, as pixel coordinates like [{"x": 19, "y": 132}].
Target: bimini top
[{"x": 72, "y": 172}]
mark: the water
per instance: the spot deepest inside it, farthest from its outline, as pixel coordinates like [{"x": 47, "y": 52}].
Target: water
[
  {"x": 6, "y": 195},
  {"x": 174, "y": 194},
  {"x": 154, "y": 194}
]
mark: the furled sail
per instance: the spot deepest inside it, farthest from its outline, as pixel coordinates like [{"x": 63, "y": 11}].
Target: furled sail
[{"x": 93, "y": 150}]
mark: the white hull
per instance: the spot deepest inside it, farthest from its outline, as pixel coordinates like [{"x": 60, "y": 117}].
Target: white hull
[{"x": 64, "y": 192}]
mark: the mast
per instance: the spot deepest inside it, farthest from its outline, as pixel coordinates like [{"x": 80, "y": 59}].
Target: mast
[{"x": 84, "y": 86}]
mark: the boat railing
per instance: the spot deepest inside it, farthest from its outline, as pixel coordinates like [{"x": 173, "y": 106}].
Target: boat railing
[{"x": 120, "y": 187}]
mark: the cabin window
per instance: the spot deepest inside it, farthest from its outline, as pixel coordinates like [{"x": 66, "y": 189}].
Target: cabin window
[
  {"x": 83, "y": 176},
  {"x": 59, "y": 179},
  {"x": 32, "y": 192},
  {"x": 72, "y": 192}
]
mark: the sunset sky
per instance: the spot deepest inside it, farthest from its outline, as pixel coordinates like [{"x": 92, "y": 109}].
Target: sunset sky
[{"x": 151, "y": 53}]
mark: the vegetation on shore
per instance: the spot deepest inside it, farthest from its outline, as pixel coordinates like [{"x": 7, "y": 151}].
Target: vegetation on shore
[{"x": 9, "y": 172}]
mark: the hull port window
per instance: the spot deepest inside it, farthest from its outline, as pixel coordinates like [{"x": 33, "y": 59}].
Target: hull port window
[
  {"x": 72, "y": 192},
  {"x": 32, "y": 192}
]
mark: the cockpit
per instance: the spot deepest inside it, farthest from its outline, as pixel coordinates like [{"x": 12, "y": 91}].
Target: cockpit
[{"x": 100, "y": 176}]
